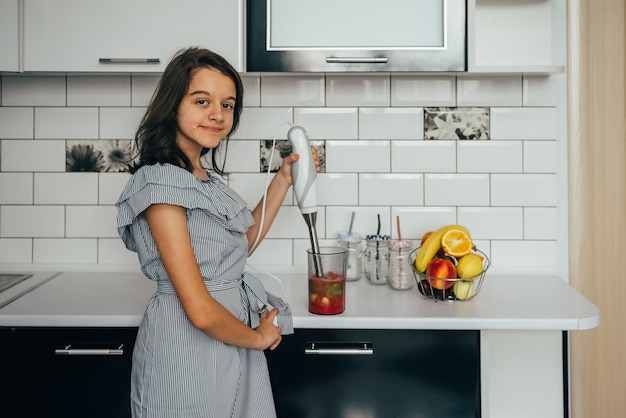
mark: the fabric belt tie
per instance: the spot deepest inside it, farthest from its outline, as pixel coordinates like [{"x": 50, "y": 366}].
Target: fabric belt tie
[
  {"x": 257, "y": 299},
  {"x": 254, "y": 297}
]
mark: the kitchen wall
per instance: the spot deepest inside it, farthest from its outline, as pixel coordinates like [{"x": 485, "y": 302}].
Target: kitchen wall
[{"x": 509, "y": 189}]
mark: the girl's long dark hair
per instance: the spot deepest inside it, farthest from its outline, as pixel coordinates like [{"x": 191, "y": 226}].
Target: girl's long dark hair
[{"x": 155, "y": 139}]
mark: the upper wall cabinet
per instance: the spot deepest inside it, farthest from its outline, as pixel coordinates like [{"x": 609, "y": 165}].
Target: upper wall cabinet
[
  {"x": 127, "y": 35},
  {"x": 9, "y": 35},
  {"x": 521, "y": 36}
]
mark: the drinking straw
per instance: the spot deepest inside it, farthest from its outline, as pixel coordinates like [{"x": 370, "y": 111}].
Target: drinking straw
[
  {"x": 351, "y": 223},
  {"x": 349, "y": 233},
  {"x": 377, "y": 246},
  {"x": 400, "y": 255}
]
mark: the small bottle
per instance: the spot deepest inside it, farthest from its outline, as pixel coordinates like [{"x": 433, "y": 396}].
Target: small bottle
[
  {"x": 351, "y": 242},
  {"x": 375, "y": 258},
  {"x": 400, "y": 276}
]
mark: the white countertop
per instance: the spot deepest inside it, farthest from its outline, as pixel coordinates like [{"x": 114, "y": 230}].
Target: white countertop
[{"x": 100, "y": 299}]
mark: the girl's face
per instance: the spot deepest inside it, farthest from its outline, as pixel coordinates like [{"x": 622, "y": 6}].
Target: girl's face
[{"x": 205, "y": 114}]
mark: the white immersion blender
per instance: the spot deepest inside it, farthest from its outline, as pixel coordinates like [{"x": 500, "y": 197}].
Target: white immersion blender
[{"x": 304, "y": 175}]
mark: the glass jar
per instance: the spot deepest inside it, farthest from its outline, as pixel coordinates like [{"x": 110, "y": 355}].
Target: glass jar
[
  {"x": 375, "y": 258},
  {"x": 400, "y": 275},
  {"x": 351, "y": 242}
]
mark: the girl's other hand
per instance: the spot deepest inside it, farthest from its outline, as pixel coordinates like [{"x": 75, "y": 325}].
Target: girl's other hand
[{"x": 270, "y": 333}]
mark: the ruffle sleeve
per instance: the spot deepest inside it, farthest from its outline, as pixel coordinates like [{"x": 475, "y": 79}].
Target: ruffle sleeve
[{"x": 169, "y": 184}]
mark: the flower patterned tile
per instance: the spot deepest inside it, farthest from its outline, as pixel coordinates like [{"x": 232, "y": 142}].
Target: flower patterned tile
[
  {"x": 103, "y": 155},
  {"x": 464, "y": 123},
  {"x": 282, "y": 148}
]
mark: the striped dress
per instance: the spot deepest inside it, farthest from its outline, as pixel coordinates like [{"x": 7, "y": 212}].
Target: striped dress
[{"x": 177, "y": 370}]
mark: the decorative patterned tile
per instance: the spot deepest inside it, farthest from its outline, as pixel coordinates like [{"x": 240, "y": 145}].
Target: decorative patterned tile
[
  {"x": 283, "y": 149},
  {"x": 113, "y": 156},
  {"x": 470, "y": 123}
]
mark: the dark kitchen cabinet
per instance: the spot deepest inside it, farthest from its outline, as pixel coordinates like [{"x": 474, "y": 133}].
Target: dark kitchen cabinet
[
  {"x": 325, "y": 373},
  {"x": 66, "y": 372}
]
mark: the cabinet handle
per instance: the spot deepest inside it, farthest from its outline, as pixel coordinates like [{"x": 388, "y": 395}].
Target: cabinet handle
[
  {"x": 355, "y": 348},
  {"x": 357, "y": 60},
  {"x": 129, "y": 60},
  {"x": 68, "y": 351}
]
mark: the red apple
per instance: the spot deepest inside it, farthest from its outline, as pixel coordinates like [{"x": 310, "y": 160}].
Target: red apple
[{"x": 439, "y": 269}]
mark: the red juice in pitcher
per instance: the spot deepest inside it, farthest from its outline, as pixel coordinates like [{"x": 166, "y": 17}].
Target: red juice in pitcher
[
  {"x": 327, "y": 280},
  {"x": 327, "y": 295}
]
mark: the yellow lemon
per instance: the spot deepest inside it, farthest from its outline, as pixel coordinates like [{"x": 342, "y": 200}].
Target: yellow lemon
[{"x": 469, "y": 265}]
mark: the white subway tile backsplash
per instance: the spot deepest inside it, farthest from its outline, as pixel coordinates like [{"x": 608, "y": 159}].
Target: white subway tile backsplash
[
  {"x": 523, "y": 123},
  {"x": 365, "y": 222},
  {"x": 338, "y": 189},
  {"x": 391, "y": 123},
  {"x": 489, "y": 91},
  {"x": 357, "y": 90},
  {"x": 32, "y": 155},
  {"x": 113, "y": 251},
  {"x": 243, "y": 156},
  {"x": 66, "y": 123},
  {"x": 16, "y": 250},
  {"x": 290, "y": 224},
  {"x": 19, "y": 221},
  {"x": 523, "y": 190},
  {"x": 433, "y": 91},
  {"x": 33, "y": 90},
  {"x": 416, "y": 221},
  {"x": 533, "y": 257},
  {"x": 142, "y": 88},
  {"x": 423, "y": 156},
  {"x": 489, "y": 157},
  {"x": 376, "y": 161},
  {"x": 540, "y": 157},
  {"x": 540, "y": 223},
  {"x": 302, "y": 90},
  {"x": 16, "y": 188},
  {"x": 391, "y": 189},
  {"x": 456, "y": 190},
  {"x": 120, "y": 122},
  {"x": 110, "y": 185},
  {"x": 251, "y": 90},
  {"x": 98, "y": 90},
  {"x": 17, "y": 122},
  {"x": 252, "y": 186},
  {"x": 539, "y": 90},
  {"x": 357, "y": 156},
  {"x": 90, "y": 221},
  {"x": 66, "y": 188},
  {"x": 493, "y": 223},
  {"x": 264, "y": 123},
  {"x": 65, "y": 251},
  {"x": 279, "y": 251},
  {"x": 328, "y": 123}
]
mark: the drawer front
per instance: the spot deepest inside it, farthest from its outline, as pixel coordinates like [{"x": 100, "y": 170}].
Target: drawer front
[
  {"x": 66, "y": 372},
  {"x": 377, "y": 373}
]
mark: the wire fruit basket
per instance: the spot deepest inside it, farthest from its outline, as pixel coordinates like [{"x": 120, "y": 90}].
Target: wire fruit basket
[{"x": 449, "y": 290}]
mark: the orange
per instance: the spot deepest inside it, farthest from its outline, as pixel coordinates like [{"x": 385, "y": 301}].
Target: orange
[{"x": 456, "y": 243}]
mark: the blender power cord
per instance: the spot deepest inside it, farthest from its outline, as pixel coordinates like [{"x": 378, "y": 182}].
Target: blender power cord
[{"x": 262, "y": 221}]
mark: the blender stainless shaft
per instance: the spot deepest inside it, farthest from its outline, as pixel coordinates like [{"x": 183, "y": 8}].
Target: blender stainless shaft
[{"x": 310, "y": 219}]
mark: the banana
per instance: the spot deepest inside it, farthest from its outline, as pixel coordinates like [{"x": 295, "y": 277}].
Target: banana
[{"x": 432, "y": 244}]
